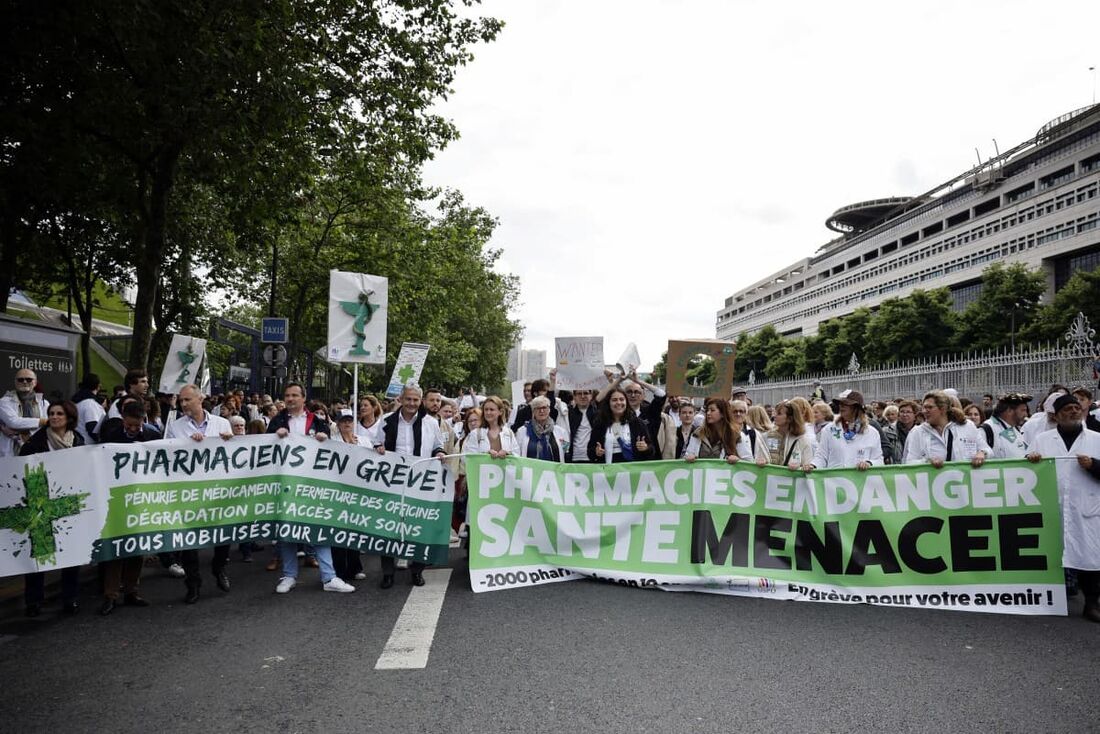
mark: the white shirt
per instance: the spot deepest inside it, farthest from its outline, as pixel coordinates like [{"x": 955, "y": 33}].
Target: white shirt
[
  {"x": 185, "y": 426},
  {"x": 406, "y": 439},
  {"x": 925, "y": 443},
  {"x": 373, "y": 434},
  {"x": 478, "y": 441},
  {"x": 88, "y": 411},
  {"x": 580, "y": 441},
  {"x": 296, "y": 425},
  {"x": 1035, "y": 425},
  {"x": 357, "y": 440},
  {"x": 833, "y": 450},
  {"x": 1008, "y": 441}
]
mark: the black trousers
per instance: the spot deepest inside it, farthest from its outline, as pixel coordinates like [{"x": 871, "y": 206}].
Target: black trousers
[
  {"x": 34, "y": 586},
  {"x": 189, "y": 559},
  {"x": 346, "y": 562},
  {"x": 389, "y": 565},
  {"x": 1089, "y": 583}
]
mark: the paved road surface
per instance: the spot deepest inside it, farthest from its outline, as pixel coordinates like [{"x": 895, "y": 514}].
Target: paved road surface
[{"x": 576, "y": 656}]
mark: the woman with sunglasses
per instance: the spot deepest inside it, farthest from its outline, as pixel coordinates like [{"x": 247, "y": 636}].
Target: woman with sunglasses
[{"x": 59, "y": 433}]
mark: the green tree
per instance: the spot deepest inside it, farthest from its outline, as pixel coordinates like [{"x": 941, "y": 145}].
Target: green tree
[
  {"x": 660, "y": 370},
  {"x": 1008, "y": 302},
  {"x": 919, "y": 325},
  {"x": 851, "y": 338},
  {"x": 221, "y": 92},
  {"x": 790, "y": 361},
  {"x": 1081, "y": 294}
]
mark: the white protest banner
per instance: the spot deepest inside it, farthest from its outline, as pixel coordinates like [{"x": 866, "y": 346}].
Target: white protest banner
[
  {"x": 357, "y": 313},
  {"x": 407, "y": 368},
  {"x": 182, "y": 364},
  {"x": 630, "y": 359},
  {"x": 579, "y": 363},
  {"x": 100, "y": 502},
  {"x": 517, "y": 393}
]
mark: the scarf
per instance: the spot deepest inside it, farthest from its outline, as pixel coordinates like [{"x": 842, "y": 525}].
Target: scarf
[
  {"x": 28, "y": 404},
  {"x": 853, "y": 430},
  {"x": 626, "y": 448},
  {"x": 539, "y": 437},
  {"x": 64, "y": 441}
]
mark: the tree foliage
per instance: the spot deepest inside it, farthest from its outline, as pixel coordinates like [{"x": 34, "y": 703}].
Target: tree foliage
[
  {"x": 1007, "y": 303},
  {"x": 210, "y": 136}
]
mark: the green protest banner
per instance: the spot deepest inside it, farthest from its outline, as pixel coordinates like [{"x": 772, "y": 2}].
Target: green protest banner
[
  {"x": 987, "y": 539},
  {"x": 97, "y": 503}
]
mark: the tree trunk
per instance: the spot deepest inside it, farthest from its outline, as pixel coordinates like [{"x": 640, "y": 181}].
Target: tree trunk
[{"x": 151, "y": 257}]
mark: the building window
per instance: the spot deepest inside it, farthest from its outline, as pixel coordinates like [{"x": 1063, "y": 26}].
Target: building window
[{"x": 963, "y": 296}]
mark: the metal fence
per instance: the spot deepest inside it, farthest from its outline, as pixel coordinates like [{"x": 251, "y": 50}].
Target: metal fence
[{"x": 1031, "y": 370}]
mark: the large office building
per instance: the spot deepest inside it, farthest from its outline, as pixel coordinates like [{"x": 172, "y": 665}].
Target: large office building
[{"x": 1037, "y": 204}]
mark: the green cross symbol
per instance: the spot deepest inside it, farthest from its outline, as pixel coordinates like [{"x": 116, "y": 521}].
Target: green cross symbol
[
  {"x": 406, "y": 373},
  {"x": 36, "y": 517}
]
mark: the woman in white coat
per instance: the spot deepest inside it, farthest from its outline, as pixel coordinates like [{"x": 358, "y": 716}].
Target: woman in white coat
[
  {"x": 492, "y": 436},
  {"x": 850, "y": 441},
  {"x": 1079, "y": 493},
  {"x": 946, "y": 435},
  {"x": 540, "y": 437}
]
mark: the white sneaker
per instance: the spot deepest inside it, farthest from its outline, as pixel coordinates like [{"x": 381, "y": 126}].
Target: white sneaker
[
  {"x": 286, "y": 583},
  {"x": 464, "y": 530},
  {"x": 176, "y": 571},
  {"x": 338, "y": 584},
  {"x": 360, "y": 576}
]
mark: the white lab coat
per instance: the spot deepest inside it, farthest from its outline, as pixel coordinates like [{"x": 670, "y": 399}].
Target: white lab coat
[
  {"x": 833, "y": 450},
  {"x": 925, "y": 443},
  {"x": 1079, "y": 494},
  {"x": 10, "y": 417}
]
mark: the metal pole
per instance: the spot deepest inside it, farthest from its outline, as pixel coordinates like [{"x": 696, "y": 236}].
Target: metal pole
[
  {"x": 274, "y": 267},
  {"x": 355, "y": 390}
]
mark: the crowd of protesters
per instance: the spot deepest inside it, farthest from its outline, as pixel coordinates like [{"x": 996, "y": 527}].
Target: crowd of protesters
[{"x": 628, "y": 420}]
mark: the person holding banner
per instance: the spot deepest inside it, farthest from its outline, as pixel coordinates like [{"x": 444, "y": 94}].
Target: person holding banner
[
  {"x": 945, "y": 435},
  {"x": 412, "y": 432},
  {"x": 60, "y": 432},
  {"x": 197, "y": 424},
  {"x": 541, "y": 437},
  {"x": 294, "y": 418},
  {"x": 1002, "y": 430},
  {"x": 850, "y": 441},
  {"x": 491, "y": 436},
  {"x": 1078, "y": 468},
  {"x": 634, "y": 388},
  {"x": 787, "y": 442},
  {"x": 721, "y": 437},
  {"x": 618, "y": 435},
  {"x": 126, "y": 572},
  {"x": 582, "y": 413},
  {"x": 686, "y": 413},
  {"x": 369, "y": 423}
]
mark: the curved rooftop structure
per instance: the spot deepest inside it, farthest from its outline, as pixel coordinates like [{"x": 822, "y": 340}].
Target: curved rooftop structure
[{"x": 861, "y": 216}]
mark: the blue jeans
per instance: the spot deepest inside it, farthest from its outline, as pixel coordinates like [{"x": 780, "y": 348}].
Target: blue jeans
[{"x": 289, "y": 553}]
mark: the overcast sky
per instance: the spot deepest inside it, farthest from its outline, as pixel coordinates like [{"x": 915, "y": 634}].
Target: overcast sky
[{"x": 648, "y": 159}]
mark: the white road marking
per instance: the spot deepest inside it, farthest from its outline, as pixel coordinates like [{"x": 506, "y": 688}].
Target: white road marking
[{"x": 411, "y": 639}]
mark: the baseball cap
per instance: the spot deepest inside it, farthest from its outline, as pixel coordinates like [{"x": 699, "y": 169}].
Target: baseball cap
[
  {"x": 345, "y": 413},
  {"x": 850, "y": 397}
]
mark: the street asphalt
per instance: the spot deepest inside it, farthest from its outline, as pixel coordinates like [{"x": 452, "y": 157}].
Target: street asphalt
[{"x": 568, "y": 657}]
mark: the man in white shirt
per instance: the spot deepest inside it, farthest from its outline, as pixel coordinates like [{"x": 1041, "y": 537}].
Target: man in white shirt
[
  {"x": 412, "y": 432},
  {"x": 22, "y": 412},
  {"x": 196, "y": 424},
  {"x": 89, "y": 411},
  {"x": 301, "y": 422}
]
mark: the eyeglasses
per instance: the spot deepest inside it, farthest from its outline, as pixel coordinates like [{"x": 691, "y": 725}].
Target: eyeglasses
[
  {"x": 24, "y": 379},
  {"x": 633, "y": 392}
]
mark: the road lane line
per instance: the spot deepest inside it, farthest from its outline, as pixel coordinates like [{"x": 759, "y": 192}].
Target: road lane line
[{"x": 411, "y": 639}]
